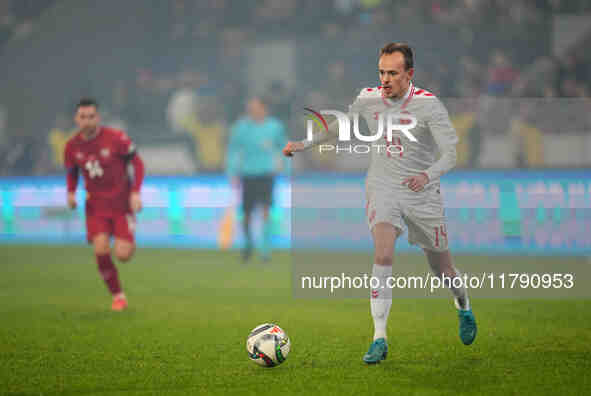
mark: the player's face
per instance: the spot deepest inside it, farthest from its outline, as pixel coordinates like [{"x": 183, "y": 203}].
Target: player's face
[
  {"x": 393, "y": 75},
  {"x": 87, "y": 118},
  {"x": 256, "y": 110}
]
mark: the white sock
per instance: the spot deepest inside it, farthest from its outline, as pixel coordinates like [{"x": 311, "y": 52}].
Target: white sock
[
  {"x": 120, "y": 295},
  {"x": 380, "y": 300},
  {"x": 461, "y": 299}
]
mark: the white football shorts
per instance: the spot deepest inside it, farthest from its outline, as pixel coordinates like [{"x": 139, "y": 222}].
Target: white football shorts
[{"x": 422, "y": 212}]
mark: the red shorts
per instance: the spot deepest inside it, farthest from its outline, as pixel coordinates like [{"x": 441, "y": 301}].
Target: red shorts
[{"x": 120, "y": 226}]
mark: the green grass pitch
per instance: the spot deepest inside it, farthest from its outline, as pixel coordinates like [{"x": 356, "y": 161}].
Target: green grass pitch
[{"x": 190, "y": 312}]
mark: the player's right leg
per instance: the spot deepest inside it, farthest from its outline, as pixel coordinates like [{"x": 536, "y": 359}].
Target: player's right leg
[
  {"x": 99, "y": 230},
  {"x": 384, "y": 238},
  {"x": 385, "y": 223},
  {"x": 123, "y": 231}
]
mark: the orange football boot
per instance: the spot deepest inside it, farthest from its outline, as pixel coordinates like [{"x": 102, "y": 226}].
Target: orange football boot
[{"x": 119, "y": 304}]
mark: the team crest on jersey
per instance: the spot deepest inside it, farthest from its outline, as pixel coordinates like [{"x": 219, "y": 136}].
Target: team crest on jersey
[
  {"x": 79, "y": 155},
  {"x": 105, "y": 152}
]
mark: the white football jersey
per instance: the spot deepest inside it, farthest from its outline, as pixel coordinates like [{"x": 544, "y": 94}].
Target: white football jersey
[{"x": 425, "y": 117}]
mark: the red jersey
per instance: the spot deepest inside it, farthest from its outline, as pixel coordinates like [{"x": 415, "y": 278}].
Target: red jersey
[{"x": 103, "y": 160}]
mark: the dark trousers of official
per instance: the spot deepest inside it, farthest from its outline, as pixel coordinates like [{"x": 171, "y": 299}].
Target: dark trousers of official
[{"x": 255, "y": 190}]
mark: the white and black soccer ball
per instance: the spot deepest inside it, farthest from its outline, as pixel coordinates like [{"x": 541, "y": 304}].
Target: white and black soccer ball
[{"x": 268, "y": 345}]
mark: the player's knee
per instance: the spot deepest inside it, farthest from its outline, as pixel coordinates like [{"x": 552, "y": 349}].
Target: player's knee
[
  {"x": 101, "y": 245},
  {"x": 101, "y": 250},
  {"x": 124, "y": 253}
]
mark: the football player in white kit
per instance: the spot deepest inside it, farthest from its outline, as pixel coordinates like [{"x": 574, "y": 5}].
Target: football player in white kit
[{"x": 402, "y": 184}]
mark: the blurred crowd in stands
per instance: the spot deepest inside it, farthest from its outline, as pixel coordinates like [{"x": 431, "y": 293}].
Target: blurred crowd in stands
[
  {"x": 17, "y": 18},
  {"x": 195, "y": 83}
]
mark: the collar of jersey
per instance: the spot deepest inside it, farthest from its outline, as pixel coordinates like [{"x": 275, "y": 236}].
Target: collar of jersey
[
  {"x": 409, "y": 93},
  {"x": 100, "y": 130}
]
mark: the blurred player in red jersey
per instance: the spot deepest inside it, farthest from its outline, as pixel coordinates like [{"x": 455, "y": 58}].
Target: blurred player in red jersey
[{"x": 103, "y": 155}]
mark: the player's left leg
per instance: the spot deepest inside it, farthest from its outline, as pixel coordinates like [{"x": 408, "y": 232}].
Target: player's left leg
[
  {"x": 426, "y": 228},
  {"x": 124, "y": 248},
  {"x": 442, "y": 266},
  {"x": 123, "y": 231},
  {"x": 425, "y": 218}
]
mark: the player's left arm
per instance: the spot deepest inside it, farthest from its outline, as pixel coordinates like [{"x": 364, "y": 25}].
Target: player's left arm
[
  {"x": 135, "y": 200},
  {"x": 445, "y": 137},
  {"x": 129, "y": 153}
]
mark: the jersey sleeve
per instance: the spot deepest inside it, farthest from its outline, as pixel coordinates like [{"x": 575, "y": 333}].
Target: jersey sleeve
[
  {"x": 138, "y": 173},
  {"x": 124, "y": 145},
  {"x": 445, "y": 137},
  {"x": 359, "y": 103},
  {"x": 68, "y": 158},
  {"x": 71, "y": 170}
]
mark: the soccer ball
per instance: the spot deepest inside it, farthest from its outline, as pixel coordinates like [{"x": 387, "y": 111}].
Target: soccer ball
[{"x": 268, "y": 345}]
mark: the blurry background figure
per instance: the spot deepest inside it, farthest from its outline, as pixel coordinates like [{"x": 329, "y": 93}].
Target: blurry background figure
[
  {"x": 280, "y": 100},
  {"x": 526, "y": 137},
  {"x": 22, "y": 155},
  {"x": 161, "y": 71},
  {"x": 183, "y": 101},
  {"x": 254, "y": 148},
  {"x": 501, "y": 74},
  {"x": 206, "y": 127},
  {"x": 121, "y": 110},
  {"x": 465, "y": 117},
  {"x": 63, "y": 129}
]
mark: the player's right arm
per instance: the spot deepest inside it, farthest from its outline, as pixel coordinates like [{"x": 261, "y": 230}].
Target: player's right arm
[
  {"x": 323, "y": 136},
  {"x": 317, "y": 138},
  {"x": 71, "y": 177}
]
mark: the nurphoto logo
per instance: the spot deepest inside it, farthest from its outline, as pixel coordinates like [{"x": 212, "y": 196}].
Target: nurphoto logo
[{"x": 388, "y": 122}]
